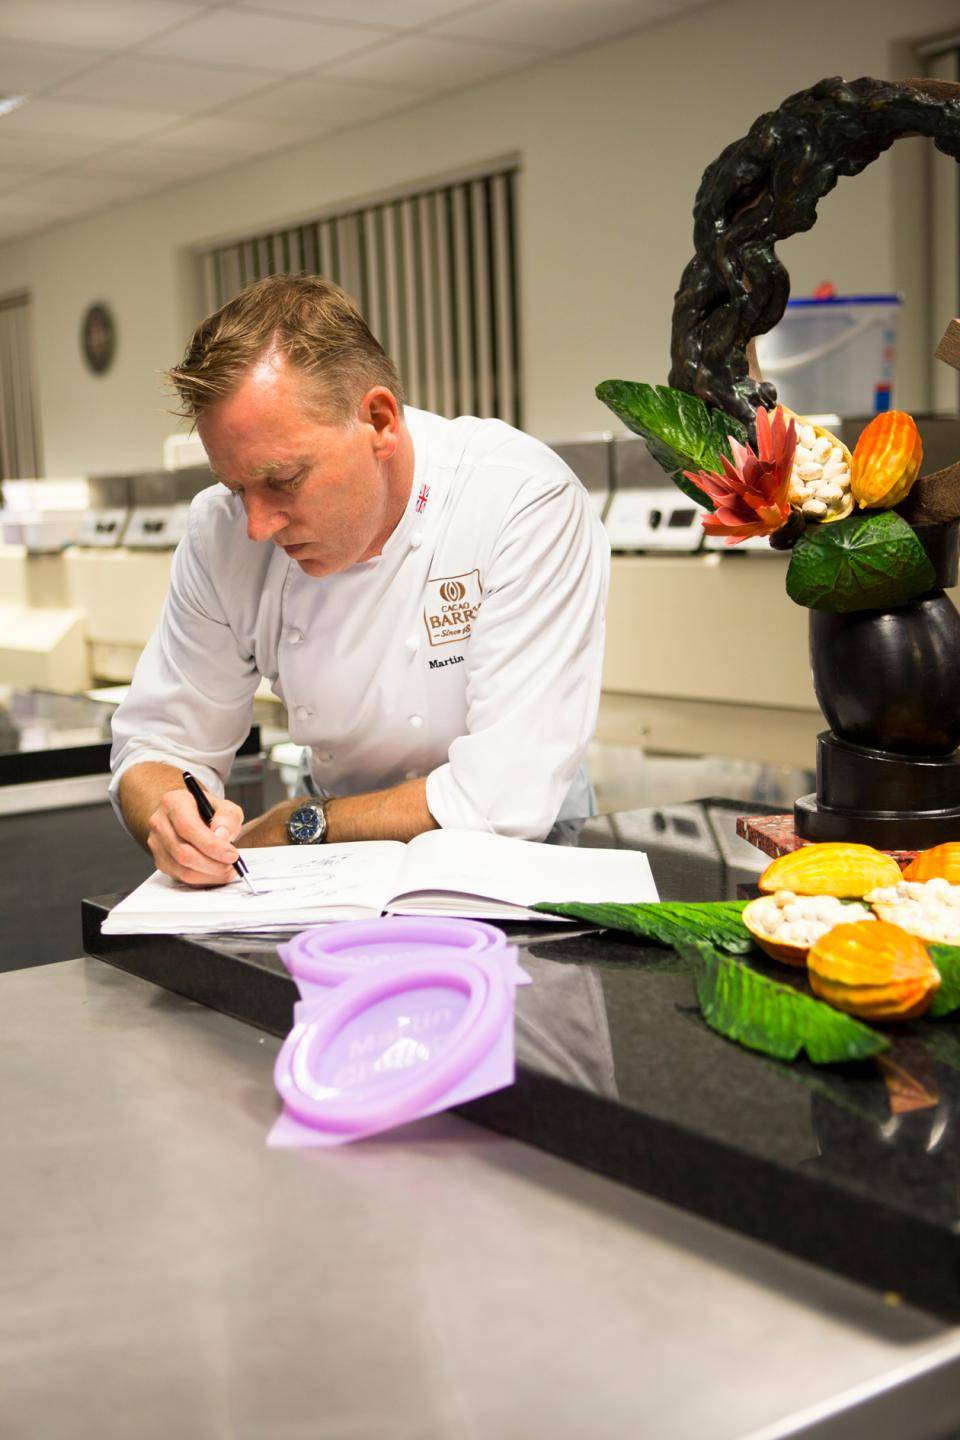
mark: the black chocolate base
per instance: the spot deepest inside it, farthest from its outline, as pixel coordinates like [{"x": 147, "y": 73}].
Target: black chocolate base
[{"x": 875, "y": 797}]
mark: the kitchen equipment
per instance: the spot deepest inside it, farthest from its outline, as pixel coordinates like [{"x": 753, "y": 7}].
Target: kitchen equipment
[
  {"x": 647, "y": 511},
  {"x": 590, "y": 457}
]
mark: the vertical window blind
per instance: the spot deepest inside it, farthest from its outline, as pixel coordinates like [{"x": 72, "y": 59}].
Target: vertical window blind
[
  {"x": 20, "y": 453},
  {"x": 435, "y": 276}
]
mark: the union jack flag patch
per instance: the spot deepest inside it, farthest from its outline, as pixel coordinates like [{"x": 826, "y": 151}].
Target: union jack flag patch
[{"x": 422, "y": 499}]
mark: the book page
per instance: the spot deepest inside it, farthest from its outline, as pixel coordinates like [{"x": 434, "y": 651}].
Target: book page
[
  {"x": 518, "y": 872},
  {"x": 296, "y": 885}
]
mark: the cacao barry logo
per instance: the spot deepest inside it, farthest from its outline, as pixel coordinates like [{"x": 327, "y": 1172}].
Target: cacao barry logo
[{"x": 451, "y": 605}]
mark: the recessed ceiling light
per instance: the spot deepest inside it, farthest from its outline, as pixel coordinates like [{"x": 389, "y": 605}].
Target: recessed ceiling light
[{"x": 11, "y": 102}]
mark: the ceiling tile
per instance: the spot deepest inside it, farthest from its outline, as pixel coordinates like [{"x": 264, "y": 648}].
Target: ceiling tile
[
  {"x": 24, "y": 68},
  {"x": 272, "y": 42},
  {"x": 39, "y": 153},
  {"x": 11, "y": 228},
  {"x": 229, "y": 136},
  {"x": 90, "y": 24},
  {"x": 12, "y": 174},
  {"x": 73, "y": 189},
  {"x": 164, "y": 166},
  {"x": 388, "y": 13},
  {"x": 25, "y": 210},
  {"x": 557, "y": 25},
  {"x": 171, "y": 84},
  {"x": 318, "y": 103},
  {"x": 430, "y": 63},
  {"x": 73, "y": 118}
]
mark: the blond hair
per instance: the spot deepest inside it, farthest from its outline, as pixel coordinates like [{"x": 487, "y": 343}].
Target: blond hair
[{"x": 314, "y": 324}]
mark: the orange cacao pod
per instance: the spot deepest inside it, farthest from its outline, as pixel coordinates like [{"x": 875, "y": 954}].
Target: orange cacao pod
[
  {"x": 886, "y": 460},
  {"x": 940, "y": 863},
  {"x": 847, "y": 871},
  {"x": 874, "y": 970}
]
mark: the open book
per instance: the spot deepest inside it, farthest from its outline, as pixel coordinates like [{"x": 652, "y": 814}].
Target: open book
[{"x": 441, "y": 872}]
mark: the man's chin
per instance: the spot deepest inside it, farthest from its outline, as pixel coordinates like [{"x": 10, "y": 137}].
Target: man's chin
[
  {"x": 317, "y": 564},
  {"x": 314, "y": 565}
]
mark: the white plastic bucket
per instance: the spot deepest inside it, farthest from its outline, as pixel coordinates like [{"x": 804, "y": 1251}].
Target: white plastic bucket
[{"x": 833, "y": 355}]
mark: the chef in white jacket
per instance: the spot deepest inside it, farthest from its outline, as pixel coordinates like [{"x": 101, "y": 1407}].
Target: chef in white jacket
[{"x": 426, "y": 596}]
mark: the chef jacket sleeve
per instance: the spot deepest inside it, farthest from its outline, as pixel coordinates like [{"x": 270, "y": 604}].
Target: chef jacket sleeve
[
  {"x": 534, "y": 667},
  {"x": 191, "y": 699}
]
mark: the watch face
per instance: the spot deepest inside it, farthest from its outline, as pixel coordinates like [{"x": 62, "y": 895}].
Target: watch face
[{"x": 306, "y": 825}]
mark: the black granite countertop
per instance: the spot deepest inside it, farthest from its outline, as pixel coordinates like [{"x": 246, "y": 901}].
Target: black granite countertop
[{"x": 856, "y": 1168}]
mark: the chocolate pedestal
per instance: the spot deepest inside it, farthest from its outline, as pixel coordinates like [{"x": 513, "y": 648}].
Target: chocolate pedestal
[
  {"x": 874, "y": 797},
  {"x": 888, "y": 683}
]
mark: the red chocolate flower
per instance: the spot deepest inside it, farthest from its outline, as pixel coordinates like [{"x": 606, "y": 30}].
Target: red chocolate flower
[{"x": 751, "y": 495}]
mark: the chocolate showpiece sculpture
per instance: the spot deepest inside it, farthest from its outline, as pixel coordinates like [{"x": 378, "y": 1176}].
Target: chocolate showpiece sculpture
[
  {"x": 765, "y": 188},
  {"x": 884, "y": 638}
]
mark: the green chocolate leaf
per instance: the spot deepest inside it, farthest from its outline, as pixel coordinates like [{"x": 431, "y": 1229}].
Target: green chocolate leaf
[
  {"x": 866, "y": 562},
  {"x": 682, "y": 433},
  {"x": 667, "y": 922},
  {"x": 947, "y": 999},
  {"x": 775, "y": 1019}
]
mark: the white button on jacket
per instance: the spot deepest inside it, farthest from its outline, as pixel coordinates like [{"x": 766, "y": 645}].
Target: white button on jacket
[{"x": 498, "y": 569}]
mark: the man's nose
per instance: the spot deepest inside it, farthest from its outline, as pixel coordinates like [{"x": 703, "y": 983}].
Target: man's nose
[{"x": 264, "y": 517}]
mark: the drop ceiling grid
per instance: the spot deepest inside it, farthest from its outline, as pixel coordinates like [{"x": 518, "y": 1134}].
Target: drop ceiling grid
[{"x": 126, "y": 97}]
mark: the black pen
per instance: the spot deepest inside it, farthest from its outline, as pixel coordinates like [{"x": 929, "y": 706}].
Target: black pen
[{"x": 206, "y": 815}]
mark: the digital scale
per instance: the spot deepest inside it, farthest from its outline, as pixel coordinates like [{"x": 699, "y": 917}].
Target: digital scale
[
  {"x": 647, "y": 511},
  {"x": 156, "y": 527},
  {"x": 103, "y": 528}
]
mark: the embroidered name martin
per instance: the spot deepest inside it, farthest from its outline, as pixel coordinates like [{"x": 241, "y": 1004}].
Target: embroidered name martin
[{"x": 450, "y": 660}]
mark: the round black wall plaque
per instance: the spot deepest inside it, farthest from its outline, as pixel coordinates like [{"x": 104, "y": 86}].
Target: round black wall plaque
[{"x": 98, "y": 338}]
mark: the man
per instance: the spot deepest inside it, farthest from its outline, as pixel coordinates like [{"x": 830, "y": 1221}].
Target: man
[{"x": 425, "y": 595}]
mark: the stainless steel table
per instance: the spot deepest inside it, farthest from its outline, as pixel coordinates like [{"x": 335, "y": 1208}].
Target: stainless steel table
[{"x": 165, "y": 1275}]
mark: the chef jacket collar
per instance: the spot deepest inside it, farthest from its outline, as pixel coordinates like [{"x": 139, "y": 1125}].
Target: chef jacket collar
[{"x": 410, "y": 519}]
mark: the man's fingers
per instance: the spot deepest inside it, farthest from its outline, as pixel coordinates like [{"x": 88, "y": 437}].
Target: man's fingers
[
  {"x": 227, "y": 826},
  {"x": 227, "y": 819},
  {"x": 180, "y": 811},
  {"x": 182, "y": 862},
  {"x": 184, "y": 847},
  {"x": 194, "y": 877}
]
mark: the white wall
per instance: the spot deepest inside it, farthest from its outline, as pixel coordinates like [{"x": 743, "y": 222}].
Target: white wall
[{"x": 612, "y": 141}]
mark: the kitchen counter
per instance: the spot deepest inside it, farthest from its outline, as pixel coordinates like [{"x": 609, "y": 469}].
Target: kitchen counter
[
  {"x": 856, "y": 1168},
  {"x": 166, "y": 1274}
]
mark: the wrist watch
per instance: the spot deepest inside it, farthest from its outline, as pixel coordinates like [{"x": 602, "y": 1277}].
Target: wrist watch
[{"x": 307, "y": 825}]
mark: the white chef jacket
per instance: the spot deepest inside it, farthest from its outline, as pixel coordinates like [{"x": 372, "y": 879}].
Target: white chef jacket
[{"x": 468, "y": 651}]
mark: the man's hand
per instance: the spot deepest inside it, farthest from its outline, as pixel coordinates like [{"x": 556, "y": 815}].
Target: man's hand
[
  {"x": 183, "y": 846},
  {"x": 163, "y": 816},
  {"x": 161, "y": 813}
]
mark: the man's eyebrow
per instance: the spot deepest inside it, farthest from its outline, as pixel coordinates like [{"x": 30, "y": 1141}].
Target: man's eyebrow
[
  {"x": 272, "y": 466},
  {"x": 265, "y": 471}
]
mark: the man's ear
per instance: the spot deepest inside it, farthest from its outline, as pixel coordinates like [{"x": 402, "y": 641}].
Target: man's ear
[{"x": 379, "y": 409}]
